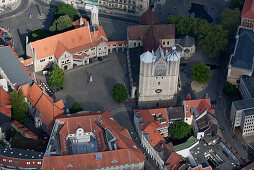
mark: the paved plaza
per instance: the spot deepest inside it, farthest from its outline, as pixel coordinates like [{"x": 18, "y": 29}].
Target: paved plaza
[{"x": 96, "y": 96}]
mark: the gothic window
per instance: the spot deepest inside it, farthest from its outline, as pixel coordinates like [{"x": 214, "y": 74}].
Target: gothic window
[{"x": 160, "y": 68}]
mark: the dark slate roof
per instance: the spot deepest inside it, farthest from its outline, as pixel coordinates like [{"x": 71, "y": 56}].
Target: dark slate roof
[
  {"x": 176, "y": 112},
  {"x": 244, "y": 50},
  {"x": 20, "y": 153},
  {"x": 4, "y": 118},
  {"x": 187, "y": 41},
  {"x": 249, "y": 83},
  {"x": 178, "y": 48},
  {"x": 12, "y": 67},
  {"x": 244, "y": 104},
  {"x": 249, "y": 112}
]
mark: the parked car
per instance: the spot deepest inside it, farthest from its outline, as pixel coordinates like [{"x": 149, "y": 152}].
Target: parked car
[
  {"x": 4, "y": 34},
  {"x": 109, "y": 12},
  {"x": 99, "y": 58},
  {"x": 8, "y": 44},
  {"x": 1, "y": 32},
  {"x": 7, "y": 39},
  {"x": 30, "y": 15},
  {"x": 183, "y": 70}
]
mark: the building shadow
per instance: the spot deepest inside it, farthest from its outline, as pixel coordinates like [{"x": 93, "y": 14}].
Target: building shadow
[{"x": 109, "y": 83}]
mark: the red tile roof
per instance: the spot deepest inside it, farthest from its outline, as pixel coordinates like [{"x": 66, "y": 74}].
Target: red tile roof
[
  {"x": 248, "y": 9},
  {"x": 117, "y": 42},
  {"x": 201, "y": 105},
  {"x": 173, "y": 160},
  {"x": 22, "y": 163},
  {"x": 148, "y": 116},
  {"x": 126, "y": 153},
  {"x": 5, "y": 101},
  {"x": 73, "y": 41},
  {"x": 76, "y": 23},
  {"x": 154, "y": 136},
  {"x": 28, "y": 61},
  {"x": 49, "y": 110}
]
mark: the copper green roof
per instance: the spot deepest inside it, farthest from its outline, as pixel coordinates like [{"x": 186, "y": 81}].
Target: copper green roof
[{"x": 191, "y": 141}]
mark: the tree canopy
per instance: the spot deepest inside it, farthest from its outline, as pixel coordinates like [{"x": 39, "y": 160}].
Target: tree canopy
[
  {"x": 229, "y": 89},
  {"x": 76, "y": 107},
  {"x": 120, "y": 93},
  {"x": 180, "y": 130},
  {"x": 230, "y": 20},
  {"x": 66, "y": 9},
  {"x": 61, "y": 23},
  {"x": 237, "y": 3},
  {"x": 56, "y": 78},
  {"x": 212, "y": 39},
  {"x": 19, "y": 107},
  {"x": 201, "y": 73}
]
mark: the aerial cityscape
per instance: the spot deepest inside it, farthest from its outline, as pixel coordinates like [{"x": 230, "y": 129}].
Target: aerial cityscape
[{"x": 127, "y": 84}]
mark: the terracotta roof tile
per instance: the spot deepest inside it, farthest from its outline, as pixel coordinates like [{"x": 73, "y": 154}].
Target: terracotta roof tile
[
  {"x": 154, "y": 136},
  {"x": 76, "y": 23},
  {"x": 75, "y": 40},
  {"x": 125, "y": 154},
  {"x": 25, "y": 132},
  {"x": 60, "y": 49},
  {"x": 149, "y": 17},
  {"x": 27, "y": 61},
  {"x": 23, "y": 163},
  {"x": 5, "y": 101},
  {"x": 248, "y": 9},
  {"x": 200, "y": 104},
  {"x": 173, "y": 160}
]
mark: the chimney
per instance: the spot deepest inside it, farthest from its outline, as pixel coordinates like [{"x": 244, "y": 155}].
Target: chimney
[{"x": 81, "y": 23}]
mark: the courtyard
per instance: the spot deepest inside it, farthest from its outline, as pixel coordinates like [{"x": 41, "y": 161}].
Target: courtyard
[{"x": 96, "y": 96}]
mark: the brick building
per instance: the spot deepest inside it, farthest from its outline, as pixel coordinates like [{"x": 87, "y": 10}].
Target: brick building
[{"x": 247, "y": 17}]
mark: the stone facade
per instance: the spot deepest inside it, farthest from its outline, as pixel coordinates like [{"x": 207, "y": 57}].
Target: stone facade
[
  {"x": 234, "y": 74},
  {"x": 159, "y": 76}
]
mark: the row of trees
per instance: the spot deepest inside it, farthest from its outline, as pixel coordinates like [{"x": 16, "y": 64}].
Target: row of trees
[{"x": 212, "y": 39}]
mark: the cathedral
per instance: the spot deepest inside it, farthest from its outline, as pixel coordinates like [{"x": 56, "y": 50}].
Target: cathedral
[
  {"x": 158, "y": 77},
  {"x": 159, "y": 63}
]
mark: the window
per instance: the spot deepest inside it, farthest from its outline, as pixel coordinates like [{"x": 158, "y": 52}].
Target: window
[
  {"x": 38, "y": 163},
  {"x": 10, "y": 160},
  {"x": 4, "y": 160},
  {"x": 93, "y": 48},
  {"x": 159, "y": 83},
  {"x": 80, "y": 52},
  {"x": 50, "y": 57},
  {"x": 134, "y": 44},
  {"x": 16, "y": 162},
  {"x": 42, "y": 60},
  {"x": 28, "y": 163},
  {"x": 163, "y": 42}
]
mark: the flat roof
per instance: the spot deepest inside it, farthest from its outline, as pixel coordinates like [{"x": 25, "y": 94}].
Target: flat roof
[
  {"x": 12, "y": 67},
  {"x": 244, "y": 104},
  {"x": 199, "y": 151}
]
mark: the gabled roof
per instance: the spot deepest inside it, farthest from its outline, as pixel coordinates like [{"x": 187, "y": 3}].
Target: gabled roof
[
  {"x": 244, "y": 51},
  {"x": 248, "y": 9},
  {"x": 127, "y": 152},
  {"x": 199, "y": 167},
  {"x": 173, "y": 160},
  {"x": 154, "y": 136},
  {"x": 187, "y": 41},
  {"x": 49, "y": 110},
  {"x": 74, "y": 41},
  {"x": 148, "y": 18},
  {"x": 197, "y": 107},
  {"x": 5, "y": 103},
  {"x": 13, "y": 68},
  {"x": 147, "y": 116}
]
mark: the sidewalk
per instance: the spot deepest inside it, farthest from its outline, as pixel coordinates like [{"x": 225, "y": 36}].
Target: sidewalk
[{"x": 10, "y": 8}]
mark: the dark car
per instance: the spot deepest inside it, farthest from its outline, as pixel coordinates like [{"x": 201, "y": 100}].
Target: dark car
[
  {"x": 183, "y": 70},
  {"x": 99, "y": 58},
  {"x": 7, "y": 39}
]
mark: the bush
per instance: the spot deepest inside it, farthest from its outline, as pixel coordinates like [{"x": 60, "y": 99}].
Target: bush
[
  {"x": 120, "y": 93},
  {"x": 10, "y": 133},
  {"x": 229, "y": 89},
  {"x": 201, "y": 73},
  {"x": 180, "y": 130},
  {"x": 56, "y": 78},
  {"x": 38, "y": 34},
  {"x": 19, "y": 107},
  {"x": 76, "y": 107}
]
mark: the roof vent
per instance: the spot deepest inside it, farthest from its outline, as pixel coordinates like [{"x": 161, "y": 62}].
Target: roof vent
[
  {"x": 68, "y": 166},
  {"x": 98, "y": 156},
  {"x": 114, "y": 161}
]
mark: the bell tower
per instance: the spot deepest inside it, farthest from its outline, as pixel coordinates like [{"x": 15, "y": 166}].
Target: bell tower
[{"x": 94, "y": 16}]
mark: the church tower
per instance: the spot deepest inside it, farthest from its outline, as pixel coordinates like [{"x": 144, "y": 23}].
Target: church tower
[
  {"x": 94, "y": 16},
  {"x": 158, "y": 79}
]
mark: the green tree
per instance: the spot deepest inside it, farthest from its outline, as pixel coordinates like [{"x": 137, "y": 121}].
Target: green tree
[
  {"x": 183, "y": 24},
  {"x": 229, "y": 89},
  {"x": 200, "y": 28},
  {"x": 10, "y": 133},
  {"x": 180, "y": 130},
  {"x": 19, "y": 107},
  {"x": 201, "y": 73},
  {"x": 76, "y": 107},
  {"x": 66, "y": 9},
  {"x": 61, "y": 23},
  {"x": 215, "y": 42},
  {"x": 56, "y": 78},
  {"x": 230, "y": 20},
  {"x": 120, "y": 93},
  {"x": 237, "y": 4}
]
